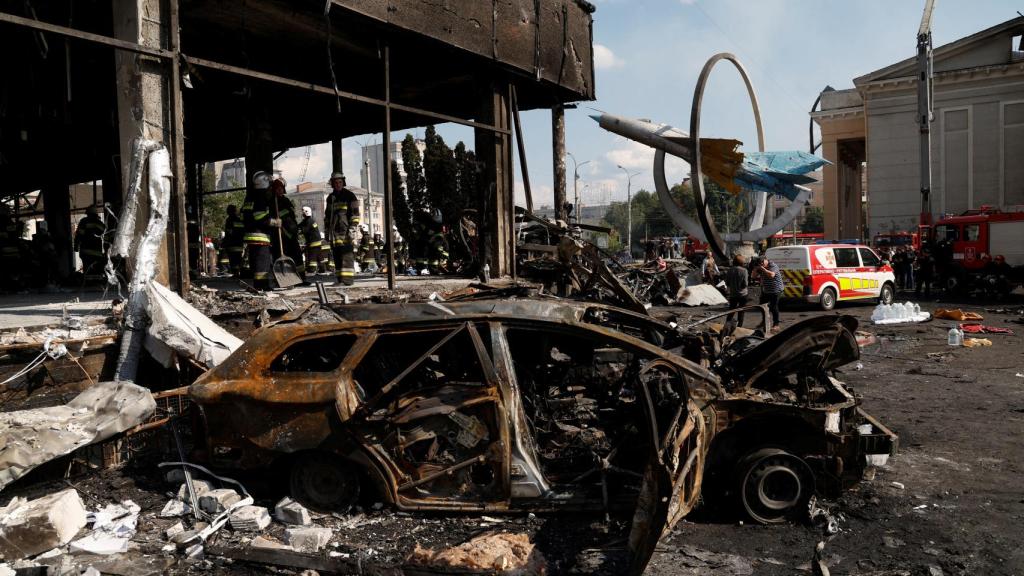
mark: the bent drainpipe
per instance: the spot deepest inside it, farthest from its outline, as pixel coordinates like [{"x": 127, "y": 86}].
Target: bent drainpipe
[
  {"x": 145, "y": 257},
  {"x": 125, "y": 233}
]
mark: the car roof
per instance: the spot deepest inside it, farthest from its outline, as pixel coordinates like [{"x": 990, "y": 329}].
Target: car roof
[{"x": 278, "y": 336}]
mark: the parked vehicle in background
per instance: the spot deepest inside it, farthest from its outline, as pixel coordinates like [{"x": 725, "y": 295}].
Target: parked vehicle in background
[
  {"x": 896, "y": 239},
  {"x": 961, "y": 244},
  {"x": 826, "y": 274}
]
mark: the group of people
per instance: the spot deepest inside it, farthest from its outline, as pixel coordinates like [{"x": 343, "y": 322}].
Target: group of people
[
  {"x": 738, "y": 278},
  {"x": 268, "y": 227},
  {"x": 663, "y": 248},
  {"x": 914, "y": 269}
]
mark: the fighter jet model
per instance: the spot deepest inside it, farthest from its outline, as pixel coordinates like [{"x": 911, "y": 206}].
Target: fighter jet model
[{"x": 779, "y": 173}]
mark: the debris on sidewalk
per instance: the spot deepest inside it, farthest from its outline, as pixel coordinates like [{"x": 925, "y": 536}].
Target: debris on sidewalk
[
  {"x": 250, "y": 519},
  {"x": 976, "y": 342},
  {"x": 956, "y": 314},
  {"x": 308, "y": 538},
  {"x": 176, "y": 328},
  {"x": 112, "y": 528},
  {"x": 502, "y": 552},
  {"x": 289, "y": 511},
  {"x": 32, "y": 437},
  {"x": 28, "y": 528},
  {"x": 982, "y": 329}
]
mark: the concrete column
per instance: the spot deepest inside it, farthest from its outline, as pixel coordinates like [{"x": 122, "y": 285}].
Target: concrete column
[
  {"x": 494, "y": 150},
  {"x": 336, "y": 162},
  {"x": 260, "y": 154},
  {"x": 57, "y": 212},
  {"x": 144, "y": 100},
  {"x": 558, "y": 158}
]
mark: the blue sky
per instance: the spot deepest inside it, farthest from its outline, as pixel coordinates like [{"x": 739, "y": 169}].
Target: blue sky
[{"x": 648, "y": 54}]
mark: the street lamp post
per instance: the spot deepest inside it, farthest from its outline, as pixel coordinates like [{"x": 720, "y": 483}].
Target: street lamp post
[
  {"x": 575, "y": 183},
  {"x": 629, "y": 209}
]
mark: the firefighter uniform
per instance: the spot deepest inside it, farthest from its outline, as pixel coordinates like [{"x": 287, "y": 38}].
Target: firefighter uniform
[
  {"x": 367, "y": 252},
  {"x": 342, "y": 221},
  {"x": 256, "y": 219},
  {"x": 438, "y": 251},
  {"x": 89, "y": 243},
  {"x": 289, "y": 227},
  {"x": 234, "y": 240},
  {"x": 310, "y": 233}
]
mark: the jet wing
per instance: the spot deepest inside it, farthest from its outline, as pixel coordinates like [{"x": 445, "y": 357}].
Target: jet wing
[{"x": 791, "y": 166}]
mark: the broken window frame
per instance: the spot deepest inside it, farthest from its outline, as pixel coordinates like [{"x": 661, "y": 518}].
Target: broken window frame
[{"x": 357, "y": 411}]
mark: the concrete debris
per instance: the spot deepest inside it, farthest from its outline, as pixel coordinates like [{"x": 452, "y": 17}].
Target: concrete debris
[
  {"x": 174, "y": 530},
  {"x": 28, "y": 528},
  {"x": 692, "y": 561},
  {"x": 6, "y": 570},
  {"x": 175, "y": 508},
  {"x": 268, "y": 544},
  {"x": 250, "y": 518},
  {"x": 308, "y": 538},
  {"x": 194, "y": 552},
  {"x": 113, "y": 527},
  {"x": 200, "y": 486},
  {"x": 33, "y": 437},
  {"x": 508, "y": 553},
  {"x": 178, "y": 329},
  {"x": 218, "y": 500},
  {"x": 702, "y": 295},
  {"x": 289, "y": 511}
]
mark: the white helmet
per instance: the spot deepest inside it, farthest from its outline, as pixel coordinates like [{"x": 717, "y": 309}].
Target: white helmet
[
  {"x": 307, "y": 211},
  {"x": 261, "y": 180}
]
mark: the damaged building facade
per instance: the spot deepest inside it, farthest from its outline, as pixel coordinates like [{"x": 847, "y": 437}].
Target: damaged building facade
[{"x": 219, "y": 80}]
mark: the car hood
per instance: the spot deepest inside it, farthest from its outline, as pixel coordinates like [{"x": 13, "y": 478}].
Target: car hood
[{"x": 822, "y": 343}]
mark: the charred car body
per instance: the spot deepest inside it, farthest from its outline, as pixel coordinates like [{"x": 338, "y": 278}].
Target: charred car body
[{"x": 506, "y": 410}]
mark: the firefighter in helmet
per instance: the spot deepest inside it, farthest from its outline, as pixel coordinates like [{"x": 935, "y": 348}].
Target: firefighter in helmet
[
  {"x": 310, "y": 233},
  {"x": 342, "y": 222},
  {"x": 258, "y": 227}
]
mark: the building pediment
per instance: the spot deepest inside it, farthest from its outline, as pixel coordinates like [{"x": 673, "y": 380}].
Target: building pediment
[{"x": 990, "y": 47}]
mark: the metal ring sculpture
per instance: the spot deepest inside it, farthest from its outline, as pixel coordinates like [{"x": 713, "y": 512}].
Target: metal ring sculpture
[
  {"x": 700, "y": 197},
  {"x": 706, "y": 230}
]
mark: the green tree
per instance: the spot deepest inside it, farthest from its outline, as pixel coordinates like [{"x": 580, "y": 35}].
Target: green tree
[
  {"x": 814, "y": 220},
  {"x": 441, "y": 175},
  {"x": 415, "y": 185},
  {"x": 215, "y": 206},
  {"x": 401, "y": 213},
  {"x": 468, "y": 189}
]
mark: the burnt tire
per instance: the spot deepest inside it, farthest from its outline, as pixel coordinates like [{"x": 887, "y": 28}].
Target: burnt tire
[
  {"x": 774, "y": 485},
  {"x": 887, "y": 295},
  {"x": 828, "y": 299},
  {"x": 323, "y": 482}
]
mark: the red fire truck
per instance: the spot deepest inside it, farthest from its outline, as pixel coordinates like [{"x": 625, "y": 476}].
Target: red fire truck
[{"x": 965, "y": 244}]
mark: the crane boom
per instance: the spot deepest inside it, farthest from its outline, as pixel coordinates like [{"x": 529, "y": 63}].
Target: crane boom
[{"x": 924, "y": 110}]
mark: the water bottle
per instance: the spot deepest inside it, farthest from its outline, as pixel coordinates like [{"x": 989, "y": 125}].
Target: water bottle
[
  {"x": 487, "y": 273},
  {"x": 955, "y": 337}
]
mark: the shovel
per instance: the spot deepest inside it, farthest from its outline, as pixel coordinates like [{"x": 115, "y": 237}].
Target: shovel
[{"x": 285, "y": 273}]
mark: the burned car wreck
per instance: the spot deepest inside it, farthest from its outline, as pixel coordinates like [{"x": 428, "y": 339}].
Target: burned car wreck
[{"x": 504, "y": 410}]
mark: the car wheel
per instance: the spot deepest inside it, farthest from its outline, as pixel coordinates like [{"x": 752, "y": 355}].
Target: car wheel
[
  {"x": 324, "y": 482},
  {"x": 774, "y": 485},
  {"x": 887, "y": 295},
  {"x": 828, "y": 299}
]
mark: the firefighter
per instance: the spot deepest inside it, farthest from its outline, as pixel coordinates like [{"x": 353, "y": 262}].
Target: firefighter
[
  {"x": 341, "y": 222},
  {"x": 438, "y": 246},
  {"x": 313, "y": 242},
  {"x": 44, "y": 251},
  {"x": 258, "y": 228},
  {"x": 419, "y": 249},
  {"x": 10, "y": 248},
  {"x": 195, "y": 243},
  {"x": 289, "y": 224},
  {"x": 231, "y": 246},
  {"x": 90, "y": 242},
  {"x": 368, "y": 251}
]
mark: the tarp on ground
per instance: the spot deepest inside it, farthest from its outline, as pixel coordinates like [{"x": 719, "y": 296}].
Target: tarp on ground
[{"x": 29, "y": 438}]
